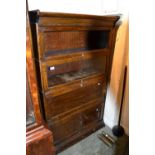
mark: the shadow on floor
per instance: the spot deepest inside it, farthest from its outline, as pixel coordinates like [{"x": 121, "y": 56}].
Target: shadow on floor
[{"x": 92, "y": 145}]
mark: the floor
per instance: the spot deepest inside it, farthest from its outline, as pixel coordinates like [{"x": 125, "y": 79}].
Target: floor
[{"x": 92, "y": 145}]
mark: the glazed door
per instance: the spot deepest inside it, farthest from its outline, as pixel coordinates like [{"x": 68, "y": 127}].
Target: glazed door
[{"x": 30, "y": 119}]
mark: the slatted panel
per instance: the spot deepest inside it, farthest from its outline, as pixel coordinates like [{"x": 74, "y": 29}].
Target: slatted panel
[{"x": 73, "y": 41}]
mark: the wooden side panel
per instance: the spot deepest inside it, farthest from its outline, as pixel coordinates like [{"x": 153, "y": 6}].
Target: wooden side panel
[{"x": 40, "y": 142}]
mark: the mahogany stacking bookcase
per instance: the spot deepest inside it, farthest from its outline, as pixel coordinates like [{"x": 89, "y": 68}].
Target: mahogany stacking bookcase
[{"x": 73, "y": 56}]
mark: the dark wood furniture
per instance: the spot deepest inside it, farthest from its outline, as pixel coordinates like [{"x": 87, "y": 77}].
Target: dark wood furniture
[
  {"x": 73, "y": 55},
  {"x": 39, "y": 139}
]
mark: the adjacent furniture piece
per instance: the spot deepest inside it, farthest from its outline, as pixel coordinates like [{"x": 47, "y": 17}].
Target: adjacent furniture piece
[
  {"x": 39, "y": 139},
  {"x": 73, "y": 56}
]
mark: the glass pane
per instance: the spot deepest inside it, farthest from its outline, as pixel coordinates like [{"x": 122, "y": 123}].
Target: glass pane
[
  {"x": 30, "y": 119},
  {"x": 90, "y": 64}
]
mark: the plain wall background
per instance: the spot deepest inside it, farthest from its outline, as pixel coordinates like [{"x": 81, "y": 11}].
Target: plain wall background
[
  {"x": 114, "y": 93},
  {"x": 100, "y": 7}
]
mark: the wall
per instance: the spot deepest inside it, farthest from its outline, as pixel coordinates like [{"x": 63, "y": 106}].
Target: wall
[
  {"x": 71, "y": 6},
  {"x": 99, "y": 7},
  {"x": 114, "y": 93},
  {"x": 125, "y": 111}
]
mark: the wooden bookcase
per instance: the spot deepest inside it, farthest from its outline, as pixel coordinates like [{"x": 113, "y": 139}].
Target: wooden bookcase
[{"x": 73, "y": 56}]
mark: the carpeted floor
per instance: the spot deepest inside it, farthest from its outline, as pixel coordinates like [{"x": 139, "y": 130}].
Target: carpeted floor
[{"x": 92, "y": 145}]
